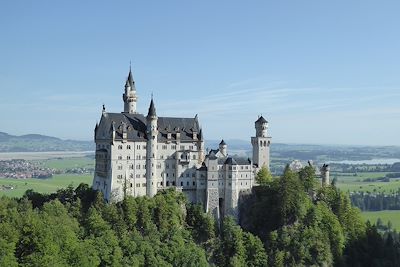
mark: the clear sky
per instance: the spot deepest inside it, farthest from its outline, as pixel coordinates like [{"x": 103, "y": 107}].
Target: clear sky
[{"x": 324, "y": 72}]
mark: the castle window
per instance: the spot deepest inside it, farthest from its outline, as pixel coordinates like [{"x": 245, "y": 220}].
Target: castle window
[
  {"x": 173, "y": 166},
  {"x": 194, "y": 183},
  {"x": 167, "y": 181},
  {"x": 137, "y": 156},
  {"x": 187, "y": 183},
  {"x": 119, "y": 167},
  {"x": 173, "y": 146},
  {"x": 131, "y": 166},
  {"x": 137, "y": 146},
  {"x": 167, "y": 166},
  {"x": 167, "y": 174},
  {"x": 138, "y": 185},
  {"x": 194, "y": 156},
  {"x": 128, "y": 157},
  {"x": 181, "y": 183},
  {"x": 193, "y": 174},
  {"x": 137, "y": 175},
  {"x": 144, "y": 175},
  {"x": 191, "y": 147},
  {"x": 120, "y": 147},
  {"x": 164, "y": 147},
  {"x": 162, "y": 156},
  {"x": 187, "y": 174},
  {"x": 161, "y": 183},
  {"x": 128, "y": 146},
  {"x": 182, "y": 147},
  {"x": 173, "y": 183},
  {"x": 131, "y": 185},
  {"x": 138, "y": 166},
  {"x": 144, "y": 146},
  {"x": 144, "y": 184},
  {"x": 173, "y": 175},
  {"x": 119, "y": 157},
  {"x": 131, "y": 176}
]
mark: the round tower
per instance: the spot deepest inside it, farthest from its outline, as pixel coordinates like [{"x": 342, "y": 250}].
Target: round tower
[
  {"x": 223, "y": 147},
  {"x": 129, "y": 96},
  {"x": 151, "y": 151},
  {"x": 325, "y": 174}
]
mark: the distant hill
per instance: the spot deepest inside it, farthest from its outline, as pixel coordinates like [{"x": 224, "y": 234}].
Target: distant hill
[
  {"x": 40, "y": 143},
  {"x": 304, "y": 152},
  {"x": 322, "y": 153}
]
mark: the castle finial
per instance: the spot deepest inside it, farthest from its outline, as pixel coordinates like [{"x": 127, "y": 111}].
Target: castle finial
[{"x": 104, "y": 108}]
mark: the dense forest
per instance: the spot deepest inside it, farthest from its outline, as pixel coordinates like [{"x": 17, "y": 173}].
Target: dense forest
[
  {"x": 375, "y": 201},
  {"x": 286, "y": 221}
]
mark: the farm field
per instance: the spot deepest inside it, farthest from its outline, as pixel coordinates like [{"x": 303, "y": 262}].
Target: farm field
[
  {"x": 68, "y": 163},
  {"x": 43, "y": 185},
  {"x": 386, "y": 215},
  {"x": 348, "y": 182}
]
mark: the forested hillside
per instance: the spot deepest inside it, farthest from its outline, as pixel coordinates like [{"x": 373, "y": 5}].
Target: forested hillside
[{"x": 286, "y": 221}]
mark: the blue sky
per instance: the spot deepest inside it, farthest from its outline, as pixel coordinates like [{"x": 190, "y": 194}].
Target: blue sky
[{"x": 324, "y": 72}]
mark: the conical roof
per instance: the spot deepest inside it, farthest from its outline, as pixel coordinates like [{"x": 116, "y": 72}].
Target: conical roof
[{"x": 152, "y": 109}]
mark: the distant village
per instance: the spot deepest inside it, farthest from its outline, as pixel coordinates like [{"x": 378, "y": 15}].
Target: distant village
[{"x": 23, "y": 169}]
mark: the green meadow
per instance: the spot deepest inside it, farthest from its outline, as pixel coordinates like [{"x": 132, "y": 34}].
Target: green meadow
[
  {"x": 68, "y": 163},
  {"x": 351, "y": 183},
  {"x": 43, "y": 185},
  {"x": 386, "y": 215}
]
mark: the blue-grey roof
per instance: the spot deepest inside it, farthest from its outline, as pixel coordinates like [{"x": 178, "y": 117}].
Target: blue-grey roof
[
  {"x": 261, "y": 120},
  {"x": 136, "y": 125},
  {"x": 152, "y": 109}
]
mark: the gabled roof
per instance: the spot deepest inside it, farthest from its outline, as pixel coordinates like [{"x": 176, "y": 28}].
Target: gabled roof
[
  {"x": 136, "y": 125},
  {"x": 222, "y": 143}
]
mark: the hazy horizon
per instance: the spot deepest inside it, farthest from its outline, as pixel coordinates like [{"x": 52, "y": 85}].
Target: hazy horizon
[{"x": 320, "y": 73}]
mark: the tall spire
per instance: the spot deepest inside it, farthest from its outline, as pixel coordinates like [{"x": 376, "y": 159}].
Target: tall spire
[
  {"x": 129, "y": 80},
  {"x": 152, "y": 109},
  {"x": 129, "y": 97}
]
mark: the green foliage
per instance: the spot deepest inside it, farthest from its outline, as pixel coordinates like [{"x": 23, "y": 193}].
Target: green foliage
[
  {"x": 302, "y": 223},
  {"x": 264, "y": 176},
  {"x": 237, "y": 248}
]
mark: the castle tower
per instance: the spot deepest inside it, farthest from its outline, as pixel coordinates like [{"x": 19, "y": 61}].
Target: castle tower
[
  {"x": 325, "y": 174},
  {"x": 261, "y": 143},
  {"x": 151, "y": 151},
  {"x": 129, "y": 96},
  {"x": 223, "y": 148}
]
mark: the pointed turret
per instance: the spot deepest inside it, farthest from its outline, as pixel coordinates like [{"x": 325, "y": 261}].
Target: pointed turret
[
  {"x": 129, "y": 95},
  {"x": 223, "y": 148},
  {"x": 130, "y": 80},
  {"x": 151, "y": 151},
  {"x": 152, "y": 110}
]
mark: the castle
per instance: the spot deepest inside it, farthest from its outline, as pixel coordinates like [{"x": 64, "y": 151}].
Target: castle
[{"x": 139, "y": 155}]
